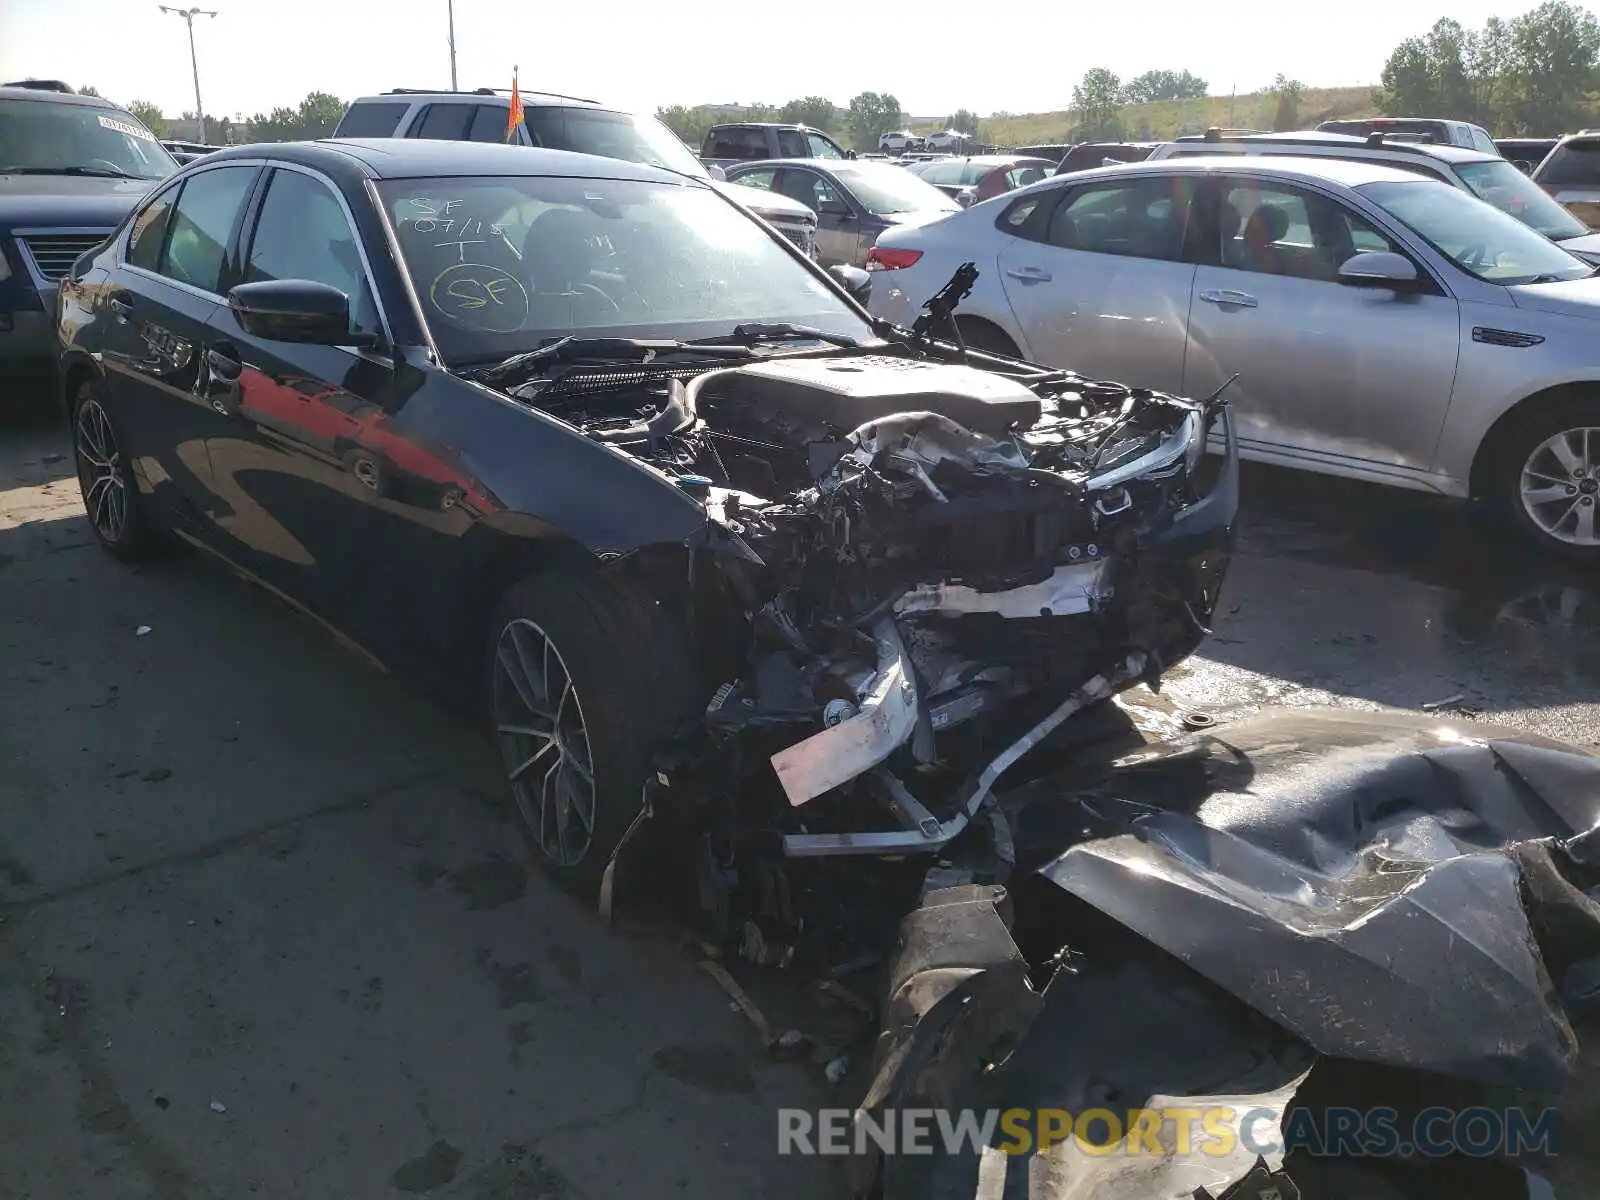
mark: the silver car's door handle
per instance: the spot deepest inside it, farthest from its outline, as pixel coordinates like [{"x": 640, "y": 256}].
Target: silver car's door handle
[
  {"x": 1029, "y": 274},
  {"x": 1229, "y": 297}
]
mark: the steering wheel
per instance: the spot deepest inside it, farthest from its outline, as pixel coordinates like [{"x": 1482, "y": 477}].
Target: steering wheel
[{"x": 592, "y": 289}]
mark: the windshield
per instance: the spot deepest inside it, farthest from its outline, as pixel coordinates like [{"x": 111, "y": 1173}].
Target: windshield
[
  {"x": 1477, "y": 237},
  {"x": 885, "y": 189},
  {"x": 504, "y": 265},
  {"x": 1509, "y": 190},
  {"x": 611, "y": 135},
  {"x": 51, "y": 137}
]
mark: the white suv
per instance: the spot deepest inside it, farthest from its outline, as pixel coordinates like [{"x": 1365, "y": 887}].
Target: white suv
[
  {"x": 1487, "y": 176},
  {"x": 558, "y": 122}
]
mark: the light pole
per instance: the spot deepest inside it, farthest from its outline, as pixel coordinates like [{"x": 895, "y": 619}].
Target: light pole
[
  {"x": 450, "y": 7},
  {"x": 188, "y": 15}
]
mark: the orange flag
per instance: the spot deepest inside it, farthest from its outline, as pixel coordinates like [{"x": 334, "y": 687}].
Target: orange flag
[{"x": 515, "y": 117}]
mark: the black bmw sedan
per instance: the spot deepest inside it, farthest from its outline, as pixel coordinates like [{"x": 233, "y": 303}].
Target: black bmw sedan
[{"x": 590, "y": 446}]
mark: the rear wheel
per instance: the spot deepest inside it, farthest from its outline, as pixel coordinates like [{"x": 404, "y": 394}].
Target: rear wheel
[
  {"x": 1549, "y": 479},
  {"x": 984, "y": 336},
  {"x": 590, "y": 680},
  {"x": 110, "y": 499}
]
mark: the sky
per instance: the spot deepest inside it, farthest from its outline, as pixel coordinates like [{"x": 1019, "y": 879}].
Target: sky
[{"x": 935, "y": 56}]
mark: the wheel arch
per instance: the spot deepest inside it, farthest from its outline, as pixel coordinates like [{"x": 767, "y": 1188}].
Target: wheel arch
[
  {"x": 966, "y": 321},
  {"x": 1492, "y": 445},
  {"x": 76, "y": 369}
]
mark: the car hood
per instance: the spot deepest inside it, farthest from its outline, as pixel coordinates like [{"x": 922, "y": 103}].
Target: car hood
[
  {"x": 1585, "y": 246},
  {"x": 66, "y": 201},
  {"x": 764, "y": 202},
  {"x": 1573, "y": 298}
]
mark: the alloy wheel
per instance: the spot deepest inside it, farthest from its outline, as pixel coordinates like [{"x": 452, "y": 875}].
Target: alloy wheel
[
  {"x": 544, "y": 742},
  {"x": 100, "y": 473},
  {"x": 1560, "y": 486}
]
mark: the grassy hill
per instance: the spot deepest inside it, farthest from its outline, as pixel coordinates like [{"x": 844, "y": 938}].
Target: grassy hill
[{"x": 1169, "y": 118}]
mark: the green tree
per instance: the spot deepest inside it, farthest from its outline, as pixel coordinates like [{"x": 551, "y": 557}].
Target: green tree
[
  {"x": 1555, "y": 50},
  {"x": 1287, "y": 94},
  {"x": 872, "y": 114},
  {"x": 90, "y": 91},
  {"x": 280, "y": 125},
  {"x": 816, "y": 111},
  {"x": 964, "y": 120},
  {"x": 690, "y": 124},
  {"x": 1166, "y": 85},
  {"x": 150, "y": 116},
  {"x": 317, "y": 115},
  {"x": 1097, "y": 106}
]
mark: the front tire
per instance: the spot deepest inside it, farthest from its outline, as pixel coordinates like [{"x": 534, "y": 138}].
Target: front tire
[
  {"x": 589, "y": 682},
  {"x": 111, "y": 500},
  {"x": 1548, "y": 483}
]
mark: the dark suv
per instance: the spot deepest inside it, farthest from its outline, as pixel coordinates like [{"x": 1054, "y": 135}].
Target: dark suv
[{"x": 71, "y": 167}]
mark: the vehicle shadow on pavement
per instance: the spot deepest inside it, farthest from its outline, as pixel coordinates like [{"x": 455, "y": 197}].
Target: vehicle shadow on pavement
[
  {"x": 268, "y": 928},
  {"x": 1352, "y": 593}
]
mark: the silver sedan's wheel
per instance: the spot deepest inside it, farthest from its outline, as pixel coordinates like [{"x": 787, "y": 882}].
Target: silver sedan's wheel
[
  {"x": 101, "y": 473},
  {"x": 544, "y": 742},
  {"x": 1560, "y": 486}
]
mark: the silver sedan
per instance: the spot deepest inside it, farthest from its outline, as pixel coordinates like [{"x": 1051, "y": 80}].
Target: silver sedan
[{"x": 1382, "y": 326}]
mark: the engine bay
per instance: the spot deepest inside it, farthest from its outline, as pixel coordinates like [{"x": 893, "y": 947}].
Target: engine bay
[{"x": 945, "y": 560}]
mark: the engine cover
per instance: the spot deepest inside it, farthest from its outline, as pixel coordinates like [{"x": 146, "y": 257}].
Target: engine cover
[{"x": 845, "y": 393}]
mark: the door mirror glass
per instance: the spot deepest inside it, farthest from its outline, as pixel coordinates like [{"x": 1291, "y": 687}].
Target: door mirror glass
[
  {"x": 828, "y": 206},
  {"x": 1380, "y": 269},
  {"x": 295, "y": 310},
  {"x": 856, "y": 281}
]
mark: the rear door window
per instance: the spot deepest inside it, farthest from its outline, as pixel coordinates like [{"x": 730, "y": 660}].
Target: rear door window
[
  {"x": 443, "y": 122},
  {"x": 488, "y": 124},
  {"x": 207, "y": 209},
  {"x": 1143, "y": 218},
  {"x": 792, "y": 144},
  {"x": 372, "y": 119},
  {"x": 738, "y": 143},
  {"x": 1572, "y": 164}
]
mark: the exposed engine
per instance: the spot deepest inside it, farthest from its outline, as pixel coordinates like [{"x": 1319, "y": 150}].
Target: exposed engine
[{"x": 929, "y": 542}]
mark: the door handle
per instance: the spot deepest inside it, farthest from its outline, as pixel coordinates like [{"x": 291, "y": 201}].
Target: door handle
[
  {"x": 1029, "y": 274},
  {"x": 220, "y": 380},
  {"x": 1229, "y": 297},
  {"x": 120, "y": 307}
]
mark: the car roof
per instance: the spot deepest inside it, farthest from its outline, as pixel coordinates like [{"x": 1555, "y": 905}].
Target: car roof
[
  {"x": 996, "y": 160},
  {"x": 45, "y": 96},
  {"x": 530, "y": 99},
  {"x": 1349, "y": 172},
  {"x": 1451, "y": 154},
  {"x": 411, "y": 158},
  {"x": 823, "y": 164}
]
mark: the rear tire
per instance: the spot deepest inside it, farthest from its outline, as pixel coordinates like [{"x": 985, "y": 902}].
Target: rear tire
[
  {"x": 111, "y": 501},
  {"x": 589, "y": 681},
  {"x": 988, "y": 338},
  {"x": 1547, "y": 481}
]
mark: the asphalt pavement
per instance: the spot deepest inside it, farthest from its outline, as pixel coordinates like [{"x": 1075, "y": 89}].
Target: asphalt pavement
[{"x": 268, "y": 930}]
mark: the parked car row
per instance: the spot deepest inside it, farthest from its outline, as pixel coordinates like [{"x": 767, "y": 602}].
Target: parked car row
[{"x": 1383, "y": 324}]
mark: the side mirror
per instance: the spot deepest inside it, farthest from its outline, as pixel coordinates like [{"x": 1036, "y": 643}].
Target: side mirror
[
  {"x": 1380, "y": 269},
  {"x": 849, "y": 153},
  {"x": 833, "y": 208},
  {"x": 855, "y": 281},
  {"x": 1522, "y": 165},
  {"x": 295, "y": 310},
  {"x": 716, "y": 172}
]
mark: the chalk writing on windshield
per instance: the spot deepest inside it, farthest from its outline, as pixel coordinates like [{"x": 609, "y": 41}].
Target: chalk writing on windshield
[
  {"x": 480, "y": 296},
  {"x": 454, "y": 226}
]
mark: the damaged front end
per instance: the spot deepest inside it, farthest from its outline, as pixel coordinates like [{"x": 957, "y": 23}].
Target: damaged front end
[{"x": 934, "y": 558}]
